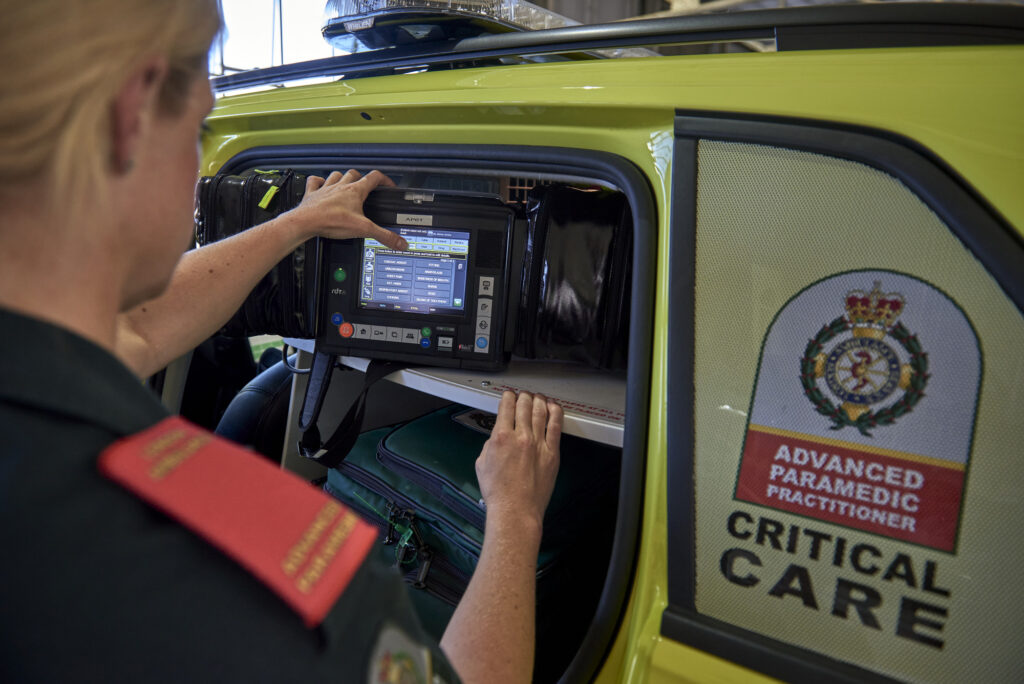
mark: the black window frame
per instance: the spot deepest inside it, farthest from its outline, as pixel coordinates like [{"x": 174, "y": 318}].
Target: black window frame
[{"x": 526, "y": 161}]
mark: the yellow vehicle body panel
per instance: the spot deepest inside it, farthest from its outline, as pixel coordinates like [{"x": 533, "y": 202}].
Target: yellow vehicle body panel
[
  {"x": 972, "y": 121},
  {"x": 672, "y": 662}
]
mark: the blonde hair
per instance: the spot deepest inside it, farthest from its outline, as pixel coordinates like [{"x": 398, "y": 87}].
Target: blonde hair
[{"x": 61, "y": 64}]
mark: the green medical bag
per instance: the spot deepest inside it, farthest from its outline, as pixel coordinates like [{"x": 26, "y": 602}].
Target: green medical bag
[{"x": 417, "y": 483}]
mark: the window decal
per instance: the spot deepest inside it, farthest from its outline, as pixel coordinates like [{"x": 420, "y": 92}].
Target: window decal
[{"x": 864, "y": 407}]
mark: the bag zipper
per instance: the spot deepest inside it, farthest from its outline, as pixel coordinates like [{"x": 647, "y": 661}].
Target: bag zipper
[
  {"x": 435, "y": 573},
  {"x": 439, "y": 577},
  {"x": 375, "y": 484},
  {"x": 448, "y": 492}
]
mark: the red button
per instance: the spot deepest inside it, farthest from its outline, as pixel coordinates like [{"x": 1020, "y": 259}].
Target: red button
[{"x": 346, "y": 329}]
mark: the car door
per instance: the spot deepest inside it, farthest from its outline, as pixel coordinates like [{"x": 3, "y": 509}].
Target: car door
[{"x": 843, "y": 398}]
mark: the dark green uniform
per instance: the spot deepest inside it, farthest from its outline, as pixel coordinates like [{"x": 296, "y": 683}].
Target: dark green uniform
[{"x": 95, "y": 585}]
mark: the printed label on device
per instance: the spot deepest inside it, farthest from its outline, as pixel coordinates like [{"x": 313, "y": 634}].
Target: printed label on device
[{"x": 414, "y": 220}]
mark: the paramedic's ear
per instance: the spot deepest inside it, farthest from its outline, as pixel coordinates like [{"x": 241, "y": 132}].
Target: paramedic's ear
[{"x": 131, "y": 111}]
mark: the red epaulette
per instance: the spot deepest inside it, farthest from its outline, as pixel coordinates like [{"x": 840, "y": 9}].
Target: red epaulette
[{"x": 303, "y": 544}]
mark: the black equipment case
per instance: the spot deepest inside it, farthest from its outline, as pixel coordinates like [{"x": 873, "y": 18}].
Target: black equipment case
[
  {"x": 574, "y": 297},
  {"x": 284, "y": 301},
  {"x": 417, "y": 483}
]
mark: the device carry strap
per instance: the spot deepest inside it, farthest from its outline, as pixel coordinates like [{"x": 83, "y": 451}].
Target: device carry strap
[
  {"x": 316, "y": 389},
  {"x": 332, "y": 452}
]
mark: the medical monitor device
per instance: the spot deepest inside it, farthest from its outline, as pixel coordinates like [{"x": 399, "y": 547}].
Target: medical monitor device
[{"x": 442, "y": 302}]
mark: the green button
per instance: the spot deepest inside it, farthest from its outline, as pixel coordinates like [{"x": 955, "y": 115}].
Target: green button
[
  {"x": 425, "y": 332},
  {"x": 340, "y": 275}
]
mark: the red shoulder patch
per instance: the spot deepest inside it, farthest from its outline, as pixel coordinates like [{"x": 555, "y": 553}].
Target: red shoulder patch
[{"x": 303, "y": 544}]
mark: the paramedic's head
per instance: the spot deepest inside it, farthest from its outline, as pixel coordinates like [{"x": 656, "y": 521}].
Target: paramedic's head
[{"x": 100, "y": 107}]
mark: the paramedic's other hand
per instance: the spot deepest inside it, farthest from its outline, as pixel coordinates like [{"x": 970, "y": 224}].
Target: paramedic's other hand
[
  {"x": 333, "y": 207},
  {"x": 492, "y": 634},
  {"x": 518, "y": 464}
]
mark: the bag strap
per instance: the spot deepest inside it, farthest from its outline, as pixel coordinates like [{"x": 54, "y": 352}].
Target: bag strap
[{"x": 331, "y": 453}]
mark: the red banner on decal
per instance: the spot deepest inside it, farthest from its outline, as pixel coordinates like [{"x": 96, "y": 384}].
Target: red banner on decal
[{"x": 914, "y": 499}]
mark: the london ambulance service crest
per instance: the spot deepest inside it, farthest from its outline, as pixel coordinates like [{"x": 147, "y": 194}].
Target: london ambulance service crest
[
  {"x": 863, "y": 409},
  {"x": 863, "y": 370}
]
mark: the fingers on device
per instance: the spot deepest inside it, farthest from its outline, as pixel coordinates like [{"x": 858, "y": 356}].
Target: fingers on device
[{"x": 442, "y": 302}]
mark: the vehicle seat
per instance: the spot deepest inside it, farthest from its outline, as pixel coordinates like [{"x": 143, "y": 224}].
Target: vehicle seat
[{"x": 258, "y": 414}]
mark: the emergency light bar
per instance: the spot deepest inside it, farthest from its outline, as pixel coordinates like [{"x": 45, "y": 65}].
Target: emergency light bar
[{"x": 357, "y": 25}]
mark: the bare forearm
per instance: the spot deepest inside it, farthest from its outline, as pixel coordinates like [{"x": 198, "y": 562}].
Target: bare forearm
[
  {"x": 208, "y": 285},
  {"x": 490, "y": 638}
]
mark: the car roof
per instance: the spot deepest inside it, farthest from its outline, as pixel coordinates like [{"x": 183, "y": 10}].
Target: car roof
[{"x": 887, "y": 25}]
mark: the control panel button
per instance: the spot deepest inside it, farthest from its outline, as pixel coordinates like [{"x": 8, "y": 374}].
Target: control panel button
[
  {"x": 346, "y": 329},
  {"x": 410, "y": 336},
  {"x": 425, "y": 332},
  {"x": 425, "y": 342},
  {"x": 362, "y": 331},
  {"x": 394, "y": 334},
  {"x": 337, "y": 319},
  {"x": 444, "y": 343},
  {"x": 378, "y": 333},
  {"x": 484, "y": 305},
  {"x": 340, "y": 275},
  {"x": 483, "y": 343},
  {"x": 483, "y": 325},
  {"x": 487, "y": 286}
]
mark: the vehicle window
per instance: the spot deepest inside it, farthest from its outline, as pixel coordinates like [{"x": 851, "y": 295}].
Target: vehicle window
[{"x": 856, "y": 421}]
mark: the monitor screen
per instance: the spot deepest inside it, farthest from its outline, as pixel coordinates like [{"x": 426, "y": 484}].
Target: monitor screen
[{"x": 429, "y": 278}]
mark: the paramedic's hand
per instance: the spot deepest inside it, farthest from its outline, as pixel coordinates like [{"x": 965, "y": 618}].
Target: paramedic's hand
[
  {"x": 333, "y": 207},
  {"x": 518, "y": 464}
]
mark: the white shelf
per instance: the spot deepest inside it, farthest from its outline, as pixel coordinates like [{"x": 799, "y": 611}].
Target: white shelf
[{"x": 593, "y": 401}]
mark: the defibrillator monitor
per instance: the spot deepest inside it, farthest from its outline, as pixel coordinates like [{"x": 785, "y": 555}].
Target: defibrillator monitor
[{"x": 441, "y": 302}]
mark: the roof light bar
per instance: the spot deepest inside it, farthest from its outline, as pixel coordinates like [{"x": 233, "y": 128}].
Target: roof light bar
[{"x": 357, "y": 25}]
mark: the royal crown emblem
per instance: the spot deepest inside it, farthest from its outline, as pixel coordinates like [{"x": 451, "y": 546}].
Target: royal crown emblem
[
  {"x": 872, "y": 313},
  {"x": 851, "y": 359}
]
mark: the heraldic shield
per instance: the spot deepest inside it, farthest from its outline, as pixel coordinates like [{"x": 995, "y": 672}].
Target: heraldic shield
[{"x": 864, "y": 408}]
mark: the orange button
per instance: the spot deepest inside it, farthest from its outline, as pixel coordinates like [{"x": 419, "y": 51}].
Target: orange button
[{"x": 346, "y": 329}]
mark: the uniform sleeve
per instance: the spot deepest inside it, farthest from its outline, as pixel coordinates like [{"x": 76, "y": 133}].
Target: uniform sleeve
[
  {"x": 374, "y": 622},
  {"x": 316, "y": 555}
]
